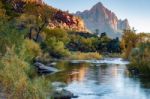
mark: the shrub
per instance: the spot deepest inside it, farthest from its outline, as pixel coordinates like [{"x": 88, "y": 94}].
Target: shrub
[
  {"x": 129, "y": 41},
  {"x": 44, "y": 57},
  {"x": 140, "y": 58},
  {"x": 39, "y": 88},
  {"x": 56, "y": 48},
  {"x": 80, "y": 43},
  {"x": 10, "y": 35},
  {"x": 30, "y": 50},
  {"x": 60, "y": 34}
]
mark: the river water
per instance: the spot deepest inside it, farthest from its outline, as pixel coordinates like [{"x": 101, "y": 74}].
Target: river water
[{"x": 101, "y": 79}]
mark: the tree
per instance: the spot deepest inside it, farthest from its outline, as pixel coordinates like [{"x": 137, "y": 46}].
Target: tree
[
  {"x": 59, "y": 34},
  {"x": 97, "y": 32},
  {"x": 2, "y": 10},
  {"x": 114, "y": 46},
  {"x": 56, "y": 48},
  {"x": 103, "y": 34},
  {"x": 129, "y": 41},
  {"x": 103, "y": 42}
]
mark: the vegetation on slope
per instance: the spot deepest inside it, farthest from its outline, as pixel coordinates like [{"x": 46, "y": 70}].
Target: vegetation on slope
[{"x": 17, "y": 73}]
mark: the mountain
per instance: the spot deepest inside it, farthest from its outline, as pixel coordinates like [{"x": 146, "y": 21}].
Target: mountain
[{"x": 102, "y": 19}]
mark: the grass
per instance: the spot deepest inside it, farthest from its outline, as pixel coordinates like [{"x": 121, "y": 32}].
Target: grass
[
  {"x": 16, "y": 77},
  {"x": 112, "y": 55},
  {"x": 84, "y": 56}
]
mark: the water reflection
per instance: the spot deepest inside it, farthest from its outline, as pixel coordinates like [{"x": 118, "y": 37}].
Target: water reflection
[
  {"x": 101, "y": 81},
  {"x": 77, "y": 74}
]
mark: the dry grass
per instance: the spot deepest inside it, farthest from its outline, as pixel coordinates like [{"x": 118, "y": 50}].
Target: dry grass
[
  {"x": 84, "y": 56},
  {"x": 15, "y": 77}
]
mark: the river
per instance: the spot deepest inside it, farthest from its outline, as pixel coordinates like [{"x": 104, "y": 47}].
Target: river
[{"x": 101, "y": 79}]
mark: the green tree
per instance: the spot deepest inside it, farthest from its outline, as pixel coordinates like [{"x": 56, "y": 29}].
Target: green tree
[
  {"x": 56, "y": 48},
  {"x": 103, "y": 42},
  {"x": 59, "y": 34}
]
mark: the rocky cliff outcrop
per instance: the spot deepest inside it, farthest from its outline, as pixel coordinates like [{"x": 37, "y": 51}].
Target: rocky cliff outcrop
[
  {"x": 67, "y": 21},
  {"x": 102, "y": 19}
]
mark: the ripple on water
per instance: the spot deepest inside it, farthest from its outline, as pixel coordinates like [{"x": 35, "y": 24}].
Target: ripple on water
[{"x": 89, "y": 90}]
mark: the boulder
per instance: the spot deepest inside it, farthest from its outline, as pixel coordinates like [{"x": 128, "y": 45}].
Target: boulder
[{"x": 43, "y": 69}]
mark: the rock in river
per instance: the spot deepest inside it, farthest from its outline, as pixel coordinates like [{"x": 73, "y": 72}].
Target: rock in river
[
  {"x": 43, "y": 69},
  {"x": 63, "y": 94}
]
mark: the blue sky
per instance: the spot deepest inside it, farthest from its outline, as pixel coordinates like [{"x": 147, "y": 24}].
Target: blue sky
[{"x": 136, "y": 11}]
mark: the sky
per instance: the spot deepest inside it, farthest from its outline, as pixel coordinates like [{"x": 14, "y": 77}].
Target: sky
[{"x": 136, "y": 11}]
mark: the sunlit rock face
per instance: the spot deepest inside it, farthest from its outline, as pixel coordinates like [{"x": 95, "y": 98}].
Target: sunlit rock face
[
  {"x": 67, "y": 21},
  {"x": 34, "y": 1},
  {"x": 99, "y": 17}
]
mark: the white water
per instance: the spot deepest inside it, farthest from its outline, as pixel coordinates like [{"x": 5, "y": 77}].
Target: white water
[{"x": 105, "y": 60}]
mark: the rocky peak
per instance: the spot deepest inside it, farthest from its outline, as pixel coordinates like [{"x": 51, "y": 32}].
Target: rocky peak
[
  {"x": 103, "y": 19},
  {"x": 123, "y": 24},
  {"x": 126, "y": 22},
  {"x": 97, "y": 6}
]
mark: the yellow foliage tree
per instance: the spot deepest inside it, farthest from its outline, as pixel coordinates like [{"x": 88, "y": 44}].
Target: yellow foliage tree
[{"x": 129, "y": 41}]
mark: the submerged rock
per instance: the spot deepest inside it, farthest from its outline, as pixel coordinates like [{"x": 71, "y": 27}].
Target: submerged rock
[{"x": 63, "y": 94}]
